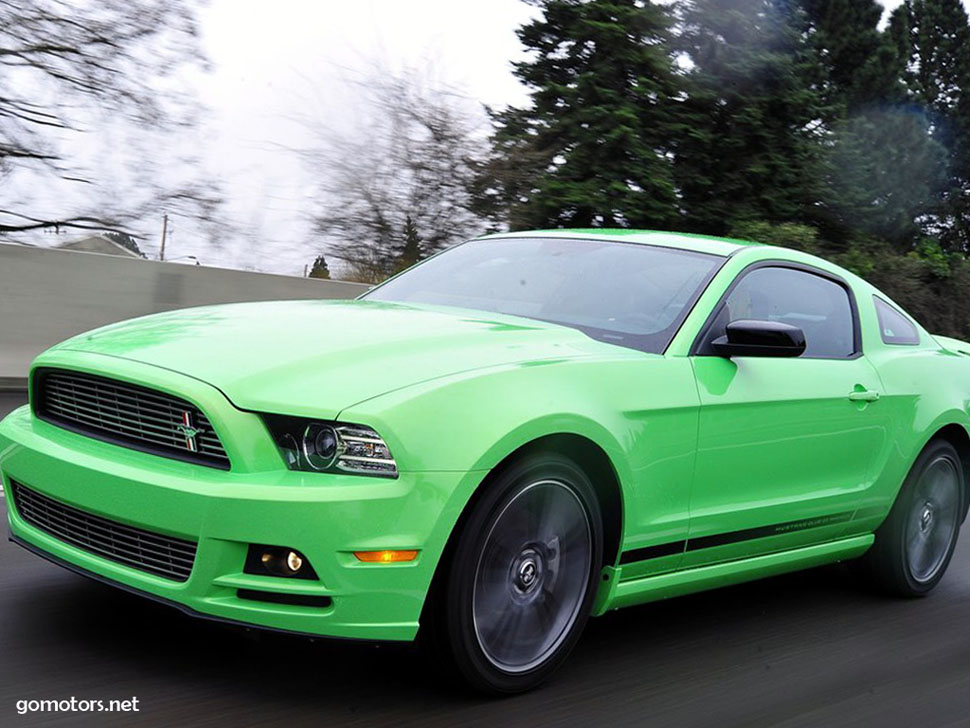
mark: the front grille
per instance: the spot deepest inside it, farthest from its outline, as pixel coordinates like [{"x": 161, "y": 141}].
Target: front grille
[
  {"x": 164, "y": 556},
  {"x": 127, "y": 414}
]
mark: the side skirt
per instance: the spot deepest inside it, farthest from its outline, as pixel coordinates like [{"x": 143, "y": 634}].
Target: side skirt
[{"x": 615, "y": 594}]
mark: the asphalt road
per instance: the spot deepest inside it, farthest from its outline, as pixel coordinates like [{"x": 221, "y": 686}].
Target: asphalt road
[{"x": 809, "y": 649}]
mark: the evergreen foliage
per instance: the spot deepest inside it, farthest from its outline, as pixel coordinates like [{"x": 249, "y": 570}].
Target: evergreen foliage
[
  {"x": 749, "y": 141},
  {"x": 409, "y": 251},
  {"x": 804, "y": 123},
  {"x": 860, "y": 61},
  {"x": 320, "y": 268},
  {"x": 590, "y": 150},
  {"x": 932, "y": 40}
]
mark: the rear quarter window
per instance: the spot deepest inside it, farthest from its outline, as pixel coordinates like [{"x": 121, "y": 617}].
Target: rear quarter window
[{"x": 894, "y": 327}]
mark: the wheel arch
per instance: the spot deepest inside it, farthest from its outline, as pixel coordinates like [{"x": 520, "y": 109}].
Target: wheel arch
[
  {"x": 589, "y": 456},
  {"x": 956, "y": 434},
  {"x": 596, "y": 463}
]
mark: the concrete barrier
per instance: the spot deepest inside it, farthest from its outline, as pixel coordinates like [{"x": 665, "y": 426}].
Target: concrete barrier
[{"x": 48, "y": 295}]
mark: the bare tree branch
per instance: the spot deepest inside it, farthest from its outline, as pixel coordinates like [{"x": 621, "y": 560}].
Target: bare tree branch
[
  {"x": 407, "y": 165},
  {"x": 68, "y": 68},
  {"x": 78, "y": 223}
]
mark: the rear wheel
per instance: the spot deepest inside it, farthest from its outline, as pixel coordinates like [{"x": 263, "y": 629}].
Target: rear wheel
[
  {"x": 914, "y": 545},
  {"x": 521, "y": 580}
]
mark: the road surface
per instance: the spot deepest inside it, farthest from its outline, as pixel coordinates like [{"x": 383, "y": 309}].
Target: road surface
[{"x": 809, "y": 649}]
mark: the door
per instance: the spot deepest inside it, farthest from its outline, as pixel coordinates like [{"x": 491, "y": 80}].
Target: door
[{"x": 784, "y": 444}]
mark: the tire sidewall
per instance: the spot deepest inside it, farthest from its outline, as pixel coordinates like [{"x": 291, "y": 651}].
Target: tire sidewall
[
  {"x": 468, "y": 656},
  {"x": 899, "y": 518}
]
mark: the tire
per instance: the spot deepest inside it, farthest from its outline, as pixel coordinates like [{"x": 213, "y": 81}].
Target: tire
[
  {"x": 914, "y": 545},
  {"x": 517, "y": 590}
]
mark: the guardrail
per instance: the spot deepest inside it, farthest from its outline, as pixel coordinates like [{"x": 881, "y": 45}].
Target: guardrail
[{"x": 47, "y": 295}]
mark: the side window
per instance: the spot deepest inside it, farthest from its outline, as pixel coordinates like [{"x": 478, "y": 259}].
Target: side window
[
  {"x": 818, "y": 306},
  {"x": 893, "y": 326}
]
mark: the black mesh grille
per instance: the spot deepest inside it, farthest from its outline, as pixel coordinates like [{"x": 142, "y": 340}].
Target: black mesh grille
[
  {"x": 127, "y": 414},
  {"x": 164, "y": 556}
]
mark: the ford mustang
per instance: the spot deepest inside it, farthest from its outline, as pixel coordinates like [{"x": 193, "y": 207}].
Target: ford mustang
[{"x": 517, "y": 434}]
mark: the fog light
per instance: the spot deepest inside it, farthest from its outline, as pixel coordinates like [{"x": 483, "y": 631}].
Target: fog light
[
  {"x": 278, "y": 561},
  {"x": 282, "y": 562}
]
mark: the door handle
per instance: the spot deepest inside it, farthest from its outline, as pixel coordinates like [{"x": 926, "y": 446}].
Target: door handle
[{"x": 864, "y": 395}]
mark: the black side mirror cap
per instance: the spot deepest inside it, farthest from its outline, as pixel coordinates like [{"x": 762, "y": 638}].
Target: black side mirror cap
[{"x": 760, "y": 338}]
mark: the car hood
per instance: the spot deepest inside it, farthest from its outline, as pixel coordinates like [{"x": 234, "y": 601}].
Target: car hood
[{"x": 319, "y": 357}]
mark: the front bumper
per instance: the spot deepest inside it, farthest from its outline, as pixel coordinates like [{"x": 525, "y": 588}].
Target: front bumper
[{"x": 326, "y": 517}]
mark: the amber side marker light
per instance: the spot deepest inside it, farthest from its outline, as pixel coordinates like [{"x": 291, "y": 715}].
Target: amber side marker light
[{"x": 385, "y": 557}]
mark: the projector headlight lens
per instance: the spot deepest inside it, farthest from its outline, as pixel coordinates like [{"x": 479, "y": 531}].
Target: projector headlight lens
[
  {"x": 321, "y": 445},
  {"x": 334, "y": 447}
]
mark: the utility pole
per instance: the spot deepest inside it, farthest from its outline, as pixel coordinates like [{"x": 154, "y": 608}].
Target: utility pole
[{"x": 161, "y": 254}]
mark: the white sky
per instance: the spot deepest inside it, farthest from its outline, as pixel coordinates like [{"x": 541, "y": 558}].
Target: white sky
[{"x": 273, "y": 61}]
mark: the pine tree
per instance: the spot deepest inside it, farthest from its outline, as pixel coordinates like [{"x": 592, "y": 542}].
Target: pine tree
[
  {"x": 319, "y": 269},
  {"x": 884, "y": 171},
  {"x": 882, "y": 168},
  {"x": 932, "y": 38},
  {"x": 409, "y": 251},
  {"x": 590, "y": 149},
  {"x": 750, "y": 131},
  {"x": 860, "y": 61}
]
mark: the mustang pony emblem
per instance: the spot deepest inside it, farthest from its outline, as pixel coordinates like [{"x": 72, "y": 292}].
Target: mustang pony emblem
[{"x": 189, "y": 431}]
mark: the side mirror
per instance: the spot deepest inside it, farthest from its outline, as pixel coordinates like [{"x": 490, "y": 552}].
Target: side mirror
[{"x": 760, "y": 338}]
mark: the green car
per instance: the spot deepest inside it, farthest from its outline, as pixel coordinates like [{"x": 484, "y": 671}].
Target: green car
[{"x": 519, "y": 433}]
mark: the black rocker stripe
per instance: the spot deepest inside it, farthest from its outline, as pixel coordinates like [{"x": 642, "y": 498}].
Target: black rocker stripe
[
  {"x": 723, "y": 539},
  {"x": 653, "y": 552}
]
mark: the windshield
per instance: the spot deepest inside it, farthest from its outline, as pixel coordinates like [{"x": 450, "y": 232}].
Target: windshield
[{"x": 623, "y": 293}]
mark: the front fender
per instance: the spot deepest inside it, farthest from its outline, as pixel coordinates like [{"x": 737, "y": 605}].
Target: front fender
[
  {"x": 472, "y": 421},
  {"x": 640, "y": 409}
]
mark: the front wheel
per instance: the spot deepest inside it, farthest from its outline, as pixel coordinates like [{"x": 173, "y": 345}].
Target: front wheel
[
  {"x": 522, "y": 578},
  {"x": 914, "y": 545}
]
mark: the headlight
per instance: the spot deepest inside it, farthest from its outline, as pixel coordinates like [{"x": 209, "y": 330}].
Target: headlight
[{"x": 331, "y": 447}]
